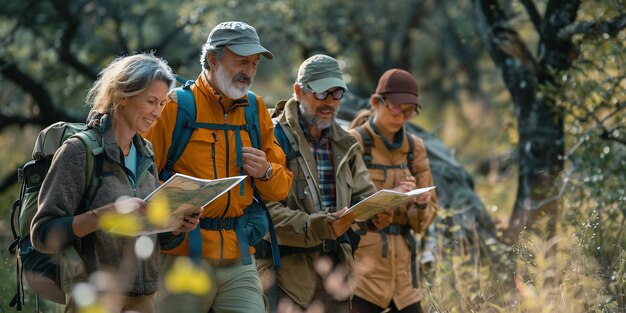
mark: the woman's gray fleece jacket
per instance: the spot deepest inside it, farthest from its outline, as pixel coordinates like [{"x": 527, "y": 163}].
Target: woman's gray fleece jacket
[{"x": 60, "y": 199}]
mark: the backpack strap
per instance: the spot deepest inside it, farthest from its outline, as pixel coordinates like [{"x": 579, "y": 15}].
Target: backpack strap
[
  {"x": 185, "y": 118},
  {"x": 242, "y": 236},
  {"x": 410, "y": 157},
  {"x": 285, "y": 144},
  {"x": 405, "y": 231},
  {"x": 185, "y": 125},
  {"x": 251, "y": 113},
  {"x": 393, "y": 228},
  {"x": 94, "y": 178},
  {"x": 94, "y": 167},
  {"x": 368, "y": 142},
  {"x": 282, "y": 132}
]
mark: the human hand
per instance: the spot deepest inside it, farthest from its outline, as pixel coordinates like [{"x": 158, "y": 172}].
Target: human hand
[
  {"x": 342, "y": 222},
  {"x": 407, "y": 184},
  {"x": 421, "y": 201},
  {"x": 255, "y": 161},
  {"x": 189, "y": 222},
  {"x": 110, "y": 216},
  {"x": 127, "y": 205}
]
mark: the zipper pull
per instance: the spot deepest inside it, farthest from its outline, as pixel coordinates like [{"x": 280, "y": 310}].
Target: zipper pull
[
  {"x": 213, "y": 147},
  {"x": 225, "y": 118}
]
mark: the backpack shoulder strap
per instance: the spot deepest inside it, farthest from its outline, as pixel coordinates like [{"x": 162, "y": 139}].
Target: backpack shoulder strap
[
  {"x": 293, "y": 146},
  {"x": 410, "y": 156},
  {"x": 289, "y": 148},
  {"x": 185, "y": 117},
  {"x": 367, "y": 145},
  {"x": 94, "y": 167},
  {"x": 251, "y": 113}
]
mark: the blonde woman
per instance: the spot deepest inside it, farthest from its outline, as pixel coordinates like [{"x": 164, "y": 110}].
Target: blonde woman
[{"x": 126, "y": 99}]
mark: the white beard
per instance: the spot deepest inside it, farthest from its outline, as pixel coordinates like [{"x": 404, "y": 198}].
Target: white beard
[{"x": 226, "y": 85}]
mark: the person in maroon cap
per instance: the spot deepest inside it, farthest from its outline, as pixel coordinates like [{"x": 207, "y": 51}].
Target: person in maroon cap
[{"x": 386, "y": 272}]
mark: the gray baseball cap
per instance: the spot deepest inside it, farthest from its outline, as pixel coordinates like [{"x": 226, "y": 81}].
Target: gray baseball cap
[
  {"x": 238, "y": 37},
  {"x": 321, "y": 73}
]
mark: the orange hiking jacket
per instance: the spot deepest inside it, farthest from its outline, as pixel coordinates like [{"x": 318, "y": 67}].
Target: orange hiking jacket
[{"x": 212, "y": 154}]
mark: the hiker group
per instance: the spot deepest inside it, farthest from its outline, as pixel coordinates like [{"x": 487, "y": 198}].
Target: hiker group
[{"x": 283, "y": 240}]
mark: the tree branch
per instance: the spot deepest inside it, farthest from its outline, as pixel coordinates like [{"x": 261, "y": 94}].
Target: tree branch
[
  {"x": 28, "y": 84},
  {"x": 6, "y": 120},
  {"x": 608, "y": 135},
  {"x": 48, "y": 111},
  {"x": 414, "y": 17},
  {"x": 611, "y": 27},
  {"x": 8, "y": 181},
  {"x": 64, "y": 49},
  {"x": 121, "y": 40},
  {"x": 167, "y": 38},
  {"x": 535, "y": 17}
]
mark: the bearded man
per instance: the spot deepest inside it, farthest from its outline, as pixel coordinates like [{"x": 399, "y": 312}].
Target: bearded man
[
  {"x": 317, "y": 235},
  {"x": 230, "y": 59}
]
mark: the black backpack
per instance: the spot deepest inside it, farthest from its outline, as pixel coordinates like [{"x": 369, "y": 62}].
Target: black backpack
[{"x": 43, "y": 272}]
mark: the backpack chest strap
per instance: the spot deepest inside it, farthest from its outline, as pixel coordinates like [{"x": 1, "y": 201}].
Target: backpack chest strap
[
  {"x": 219, "y": 224},
  {"x": 238, "y": 143},
  {"x": 238, "y": 224},
  {"x": 368, "y": 142},
  {"x": 386, "y": 167}
]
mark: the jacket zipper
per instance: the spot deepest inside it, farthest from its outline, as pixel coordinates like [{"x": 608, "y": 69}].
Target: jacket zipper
[
  {"x": 228, "y": 193},
  {"x": 144, "y": 169},
  {"x": 133, "y": 184},
  {"x": 213, "y": 155}
]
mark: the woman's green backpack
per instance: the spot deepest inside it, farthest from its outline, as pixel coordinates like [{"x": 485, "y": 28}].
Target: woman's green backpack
[{"x": 43, "y": 271}]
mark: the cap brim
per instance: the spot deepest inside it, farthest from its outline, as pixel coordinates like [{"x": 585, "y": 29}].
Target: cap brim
[
  {"x": 402, "y": 98},
  {"x": 250, "y": 49},
  {"x": 324, "y": 84}
]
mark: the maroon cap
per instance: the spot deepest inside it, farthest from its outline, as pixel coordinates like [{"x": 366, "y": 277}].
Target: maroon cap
[{"x": 399, "y": 87}]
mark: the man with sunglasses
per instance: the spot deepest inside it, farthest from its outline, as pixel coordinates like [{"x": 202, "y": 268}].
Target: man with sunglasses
[{"x": 317, "y": 240}]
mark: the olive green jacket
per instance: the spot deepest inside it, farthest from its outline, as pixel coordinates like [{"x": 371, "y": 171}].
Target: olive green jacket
[{"x": 299, "y": 222}]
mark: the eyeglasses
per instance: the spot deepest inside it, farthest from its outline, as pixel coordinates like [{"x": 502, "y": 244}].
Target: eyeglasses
[
  {"x": 337, "y": 93},
  {"x": 407, "y": 109}
]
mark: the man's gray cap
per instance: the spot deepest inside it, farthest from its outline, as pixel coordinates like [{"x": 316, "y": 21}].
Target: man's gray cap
[
  {"x": 239, "y": 38},
  {"x": 321, "y": 73}
]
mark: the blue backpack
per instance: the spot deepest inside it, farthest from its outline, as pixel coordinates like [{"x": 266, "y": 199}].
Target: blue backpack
[{"x": 256, "y": 221}]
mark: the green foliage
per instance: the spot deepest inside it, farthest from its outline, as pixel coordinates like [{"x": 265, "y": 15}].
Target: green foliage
[
  {"x": 62, "y": 48},
  {"x": 594, "y": 190}
]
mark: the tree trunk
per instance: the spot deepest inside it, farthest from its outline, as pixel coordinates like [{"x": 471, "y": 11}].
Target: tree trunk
[{"x": 540, "y": 124}]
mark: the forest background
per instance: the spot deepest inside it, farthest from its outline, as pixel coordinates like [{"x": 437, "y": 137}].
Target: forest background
[{"x": 525, "y": 96}]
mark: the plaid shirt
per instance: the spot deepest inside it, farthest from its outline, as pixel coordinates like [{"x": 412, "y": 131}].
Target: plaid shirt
[{"x": 323, "y": 154}]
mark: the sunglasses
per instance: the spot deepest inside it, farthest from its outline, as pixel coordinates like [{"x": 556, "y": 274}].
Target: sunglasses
[
  {"x": 407, "y": 109},
  {"x": 337, "y": 94}
]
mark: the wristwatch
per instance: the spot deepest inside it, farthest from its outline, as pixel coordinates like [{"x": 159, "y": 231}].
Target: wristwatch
[{"x": 268, "y": 173}]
